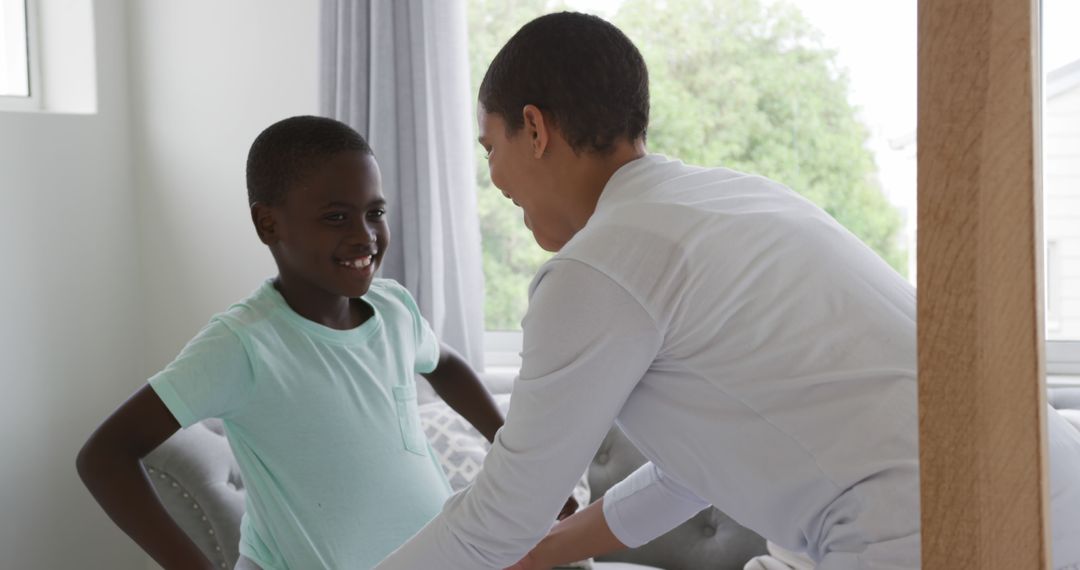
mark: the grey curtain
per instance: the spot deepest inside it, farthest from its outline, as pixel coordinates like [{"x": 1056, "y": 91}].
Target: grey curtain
[{"x": 397, "y": 71}]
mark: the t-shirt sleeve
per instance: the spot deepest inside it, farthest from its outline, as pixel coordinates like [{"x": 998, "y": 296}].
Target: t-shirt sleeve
[
  {"x": 210, "y": 378},
  {"x": 427, "y": 344}
]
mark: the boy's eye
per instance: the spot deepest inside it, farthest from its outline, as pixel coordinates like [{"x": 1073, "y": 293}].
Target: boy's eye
[
  {"x": 377, "y": 213},
  {"x": 335, "y": 217}
]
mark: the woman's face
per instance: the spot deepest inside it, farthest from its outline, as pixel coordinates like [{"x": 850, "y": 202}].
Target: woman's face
[{"x": 524, "y": 179}]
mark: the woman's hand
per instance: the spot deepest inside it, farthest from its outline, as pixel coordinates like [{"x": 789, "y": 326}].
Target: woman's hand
[
  {"x": 529, "y": 563},
  {"x": 582, "y": 535}
]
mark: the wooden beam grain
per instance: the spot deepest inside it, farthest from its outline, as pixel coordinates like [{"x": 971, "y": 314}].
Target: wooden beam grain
[{"x": 980, "y": 326}]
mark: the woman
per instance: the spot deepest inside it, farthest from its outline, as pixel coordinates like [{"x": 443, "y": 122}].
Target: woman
[{"x": 757, "y": 353}]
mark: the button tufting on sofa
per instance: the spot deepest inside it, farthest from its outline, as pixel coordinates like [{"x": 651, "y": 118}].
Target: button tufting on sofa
[{"x": 187, "y": 472}]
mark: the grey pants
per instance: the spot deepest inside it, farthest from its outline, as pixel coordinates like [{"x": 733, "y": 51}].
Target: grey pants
[{"x": 246, "y": 564}]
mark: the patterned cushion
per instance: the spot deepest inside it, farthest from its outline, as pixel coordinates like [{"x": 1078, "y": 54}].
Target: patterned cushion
[
  {"x": 458, "y": 446},
  {"x": 461, "y": 449}
]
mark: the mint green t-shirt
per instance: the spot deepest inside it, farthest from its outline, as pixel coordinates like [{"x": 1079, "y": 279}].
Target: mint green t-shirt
[{"x": 323, "y": 424}]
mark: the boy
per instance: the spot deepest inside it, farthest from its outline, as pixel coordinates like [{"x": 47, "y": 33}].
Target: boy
[{"x": 312, "y": 375}]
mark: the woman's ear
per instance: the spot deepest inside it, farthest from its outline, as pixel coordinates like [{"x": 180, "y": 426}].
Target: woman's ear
[
  {"x": 265, "y": 223},
  {"x": 537, "y": 129}
]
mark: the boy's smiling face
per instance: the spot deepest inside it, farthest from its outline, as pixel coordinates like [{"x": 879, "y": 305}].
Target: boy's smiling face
[{"x": 330, "y": 232}]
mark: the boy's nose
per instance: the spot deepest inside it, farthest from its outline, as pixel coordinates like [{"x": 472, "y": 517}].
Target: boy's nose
[
  {"x": 363, "y": 237},
  {"x": 363, "y": 230},
  {"x": 368, "y": 240}
]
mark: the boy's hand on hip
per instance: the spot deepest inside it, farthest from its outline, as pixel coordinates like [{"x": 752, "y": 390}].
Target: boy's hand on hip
[{"x": 568, "y": 509}]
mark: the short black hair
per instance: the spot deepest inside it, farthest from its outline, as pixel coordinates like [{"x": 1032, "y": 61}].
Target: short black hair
[
  {"x": 582, "y": 71},
  {"x": 287, "y": 151}
]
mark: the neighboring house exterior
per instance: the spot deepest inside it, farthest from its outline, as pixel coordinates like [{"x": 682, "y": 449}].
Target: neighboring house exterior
[
  {"x": 1061, "y": 198},
  {"x": 1061, "y": 201}
]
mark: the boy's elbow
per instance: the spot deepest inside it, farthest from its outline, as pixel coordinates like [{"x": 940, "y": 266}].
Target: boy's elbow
[
  {"x": 91, "y": 461},
  {"x": 84, "y": 461}
]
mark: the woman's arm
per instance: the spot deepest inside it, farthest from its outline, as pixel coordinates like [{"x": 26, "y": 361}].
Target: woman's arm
[
  {"x": 583, "y": 535},
  {"x": 586, "y": 345},
  {"x": 110, "y": 467},
  {"x": 641, "y": 507},
  {"x": 459, "y": 386}
]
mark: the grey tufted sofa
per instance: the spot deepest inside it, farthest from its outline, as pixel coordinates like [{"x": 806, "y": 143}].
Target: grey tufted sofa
[{"x": 198, "y": 480}]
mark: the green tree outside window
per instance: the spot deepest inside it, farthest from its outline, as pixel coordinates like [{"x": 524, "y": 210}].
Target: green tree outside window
[{"x": 744, "y": 84}]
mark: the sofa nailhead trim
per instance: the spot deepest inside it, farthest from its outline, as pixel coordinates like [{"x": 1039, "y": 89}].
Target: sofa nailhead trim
[{"x": 210, "y": 531}]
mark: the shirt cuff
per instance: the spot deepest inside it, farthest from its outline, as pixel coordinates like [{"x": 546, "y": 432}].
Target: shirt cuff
[
  {"x": 173, "y": 402},
  {"x": 648, "y": 504}
]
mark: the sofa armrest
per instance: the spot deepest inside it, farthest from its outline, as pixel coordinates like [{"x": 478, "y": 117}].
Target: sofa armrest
[
  {"x": 1066, "y": 400},
  {"x": 198, "y": 481}
]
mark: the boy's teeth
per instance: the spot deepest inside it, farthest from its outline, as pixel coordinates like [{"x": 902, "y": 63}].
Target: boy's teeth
[{"x": 358, "y": 263}]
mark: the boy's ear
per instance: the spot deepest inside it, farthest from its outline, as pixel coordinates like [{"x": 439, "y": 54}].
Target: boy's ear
[
  {"x": 265, "y": 223},
  {"x": 537, "y": 129}
]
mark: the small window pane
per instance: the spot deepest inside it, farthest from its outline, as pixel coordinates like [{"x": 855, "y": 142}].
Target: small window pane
[{"x": 14, "y": 63}]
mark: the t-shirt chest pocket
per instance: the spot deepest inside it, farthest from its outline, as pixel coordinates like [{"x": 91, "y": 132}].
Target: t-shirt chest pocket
[{"x": 412, "y": 434}]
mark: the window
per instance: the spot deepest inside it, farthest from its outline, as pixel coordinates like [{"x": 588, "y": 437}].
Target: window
[
  {"x": 786, "y": 89},
  {"x": 17, "y": 71},
  {"x": 14, "y": 63},
  {"x": 1061, "y": 183},
  {"x": 510, "y": 256}
]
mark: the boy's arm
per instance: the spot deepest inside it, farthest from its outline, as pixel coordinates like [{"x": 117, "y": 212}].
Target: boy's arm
[
  {"x": 459, "y": 386},
  {"x": 109, "y": 465}
]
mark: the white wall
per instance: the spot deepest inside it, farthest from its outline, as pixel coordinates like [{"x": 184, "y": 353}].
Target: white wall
[
  {"x": 123, "y": 231},
  {"x": 69, "y": 314},
  {"x": 207, "y": 77}
]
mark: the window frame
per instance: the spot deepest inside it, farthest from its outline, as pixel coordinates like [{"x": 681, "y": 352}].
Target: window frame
[
  {"x": 1062, "y": 355},
  {"x": 1063, "y": 361},
  {"x": 502, "y": 349},
  {"x": 32, "y": 102}
]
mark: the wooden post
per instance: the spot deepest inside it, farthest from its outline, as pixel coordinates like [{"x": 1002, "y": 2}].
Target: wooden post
[{"x": 981, "y": 383}]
